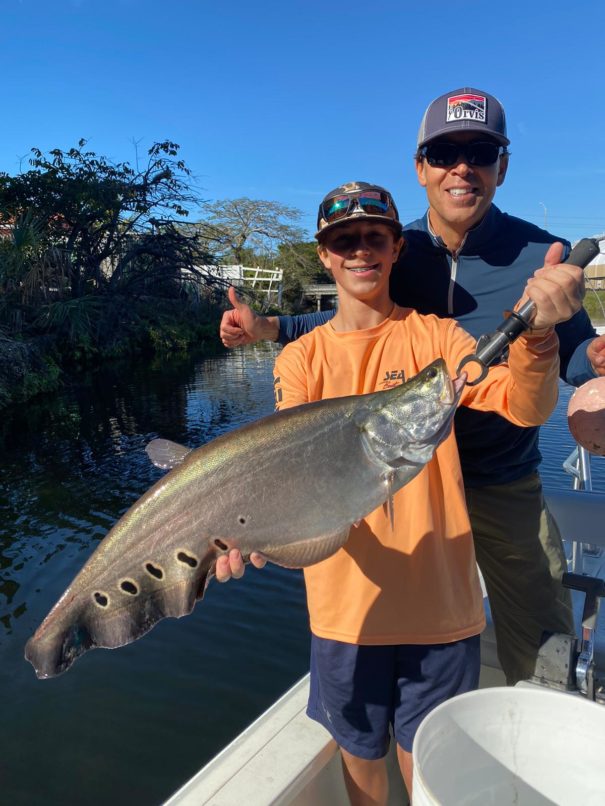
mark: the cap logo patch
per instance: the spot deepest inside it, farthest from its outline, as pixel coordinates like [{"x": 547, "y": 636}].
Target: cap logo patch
[{"x": 466, "y": 107}]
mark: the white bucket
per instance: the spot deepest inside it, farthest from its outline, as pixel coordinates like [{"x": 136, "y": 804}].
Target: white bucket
[{"x": 526, "y": 746}]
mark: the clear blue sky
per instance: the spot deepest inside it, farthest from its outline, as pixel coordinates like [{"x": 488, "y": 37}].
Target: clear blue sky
[{"x": 285, "y": 100}]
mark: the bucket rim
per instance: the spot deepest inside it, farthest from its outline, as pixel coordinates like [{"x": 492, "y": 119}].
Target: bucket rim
[{"x": 520, "y": 692}]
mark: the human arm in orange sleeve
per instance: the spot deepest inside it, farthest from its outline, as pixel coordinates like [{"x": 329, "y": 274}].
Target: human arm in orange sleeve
[{"x": 524, "y": 389}]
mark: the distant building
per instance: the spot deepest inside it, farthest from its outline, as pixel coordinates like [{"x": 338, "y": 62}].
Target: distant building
[{"x": 595, "y": 271}]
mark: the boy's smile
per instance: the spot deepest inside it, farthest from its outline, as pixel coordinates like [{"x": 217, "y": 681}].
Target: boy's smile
[{"x": 359, "y": 255}]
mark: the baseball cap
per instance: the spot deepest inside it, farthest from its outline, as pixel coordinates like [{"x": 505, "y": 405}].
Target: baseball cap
[
  {"x": 357, "y": 201},
  {"x": 464, "y": 110}
]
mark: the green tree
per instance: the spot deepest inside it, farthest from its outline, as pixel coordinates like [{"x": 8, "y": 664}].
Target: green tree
[
  {"x": 81, "y": 228},
  {"x": 301, "y": 266},
  {"x": 114, "y": 225},
  {"x": 233, "y": 227}
]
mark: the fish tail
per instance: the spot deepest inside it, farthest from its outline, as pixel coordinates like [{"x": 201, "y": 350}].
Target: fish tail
[{"x": 112, "y": 618}]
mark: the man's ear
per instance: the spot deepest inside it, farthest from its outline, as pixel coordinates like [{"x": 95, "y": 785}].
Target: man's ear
[
  {"x": 502, "y": 169},
  {"x": 420, "y": 166}
]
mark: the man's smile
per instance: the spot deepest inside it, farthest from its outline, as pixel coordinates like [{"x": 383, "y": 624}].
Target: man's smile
[{"x": 461, "y": 192}]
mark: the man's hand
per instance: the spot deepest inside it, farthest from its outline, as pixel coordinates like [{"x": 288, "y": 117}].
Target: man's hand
[
  {"x": 596, "y": 354},
  {"x": 241, "y": 325},
  {"x": 557, "y": 290},
  {"x": 232, "y": 565}
]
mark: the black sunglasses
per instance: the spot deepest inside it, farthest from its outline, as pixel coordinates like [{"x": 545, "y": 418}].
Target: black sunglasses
[{"x": 478, "y": 153}]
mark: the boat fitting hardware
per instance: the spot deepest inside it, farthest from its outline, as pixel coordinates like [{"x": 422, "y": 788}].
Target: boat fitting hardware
[
  {"x": 491, "y": 347},
  {"x": 594, "y": 589}
]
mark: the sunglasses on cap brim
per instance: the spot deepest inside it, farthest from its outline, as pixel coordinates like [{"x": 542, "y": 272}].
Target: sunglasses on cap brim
[
  {"x": 372, "y": 202},
  {"x": 479, "y": 153}
]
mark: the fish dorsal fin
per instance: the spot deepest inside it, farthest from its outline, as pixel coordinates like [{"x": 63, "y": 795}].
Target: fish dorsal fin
[{"x": 166, "y": 454}]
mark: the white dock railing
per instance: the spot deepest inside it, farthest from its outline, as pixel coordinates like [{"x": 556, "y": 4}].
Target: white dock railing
[{"x": 268, "y": 281}]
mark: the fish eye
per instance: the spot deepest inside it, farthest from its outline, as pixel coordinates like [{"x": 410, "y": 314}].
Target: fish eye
[{"x": 431, "y": 373}]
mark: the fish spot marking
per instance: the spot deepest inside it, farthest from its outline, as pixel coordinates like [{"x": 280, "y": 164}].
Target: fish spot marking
[
  {"x": 154, "y": 570},
  {"x": 220, "y": 545},
  {"x": 187, "y": 559},
  {"x": 101, "y": 599},
  {"x": 242, "y": 520},
  {"x": 128, "y": 586}
]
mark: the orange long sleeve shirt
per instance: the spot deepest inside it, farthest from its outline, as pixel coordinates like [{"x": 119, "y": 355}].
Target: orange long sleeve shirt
[{"x": 415, "y": 582}]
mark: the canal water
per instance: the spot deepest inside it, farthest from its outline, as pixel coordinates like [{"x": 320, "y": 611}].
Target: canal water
[{"x": 130, "y": 726}]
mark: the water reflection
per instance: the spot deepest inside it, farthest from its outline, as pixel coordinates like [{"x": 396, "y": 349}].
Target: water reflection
[{"x": 129, "y": 726}]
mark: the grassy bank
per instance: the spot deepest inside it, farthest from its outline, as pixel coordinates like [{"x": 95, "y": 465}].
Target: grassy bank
[
  {"x": 594, "y": 303},
  {"x": 42, "y": 364}
]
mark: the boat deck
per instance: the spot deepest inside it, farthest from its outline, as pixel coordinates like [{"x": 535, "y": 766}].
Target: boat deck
[{"x": 286, "y": 758}]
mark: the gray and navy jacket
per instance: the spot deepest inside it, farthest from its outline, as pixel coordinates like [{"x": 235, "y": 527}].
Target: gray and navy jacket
[{"x": 485, "y": 278}]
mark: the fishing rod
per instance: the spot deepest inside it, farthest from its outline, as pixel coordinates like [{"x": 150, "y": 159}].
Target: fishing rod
[{"x": 491, "y": 347}]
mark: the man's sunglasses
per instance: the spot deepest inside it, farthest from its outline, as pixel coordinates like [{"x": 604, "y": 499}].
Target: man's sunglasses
[
  {"x": 479, "y": 153},
  {"x": 371, "y": 202}
]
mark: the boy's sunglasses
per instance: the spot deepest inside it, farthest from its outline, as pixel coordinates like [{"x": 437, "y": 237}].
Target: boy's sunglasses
[
  {"x": 371, "y": 202},
  {"x": 479, "y": 153}
]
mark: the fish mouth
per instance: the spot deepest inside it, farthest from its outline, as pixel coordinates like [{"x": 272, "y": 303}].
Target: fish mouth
[
  {"x": 453, "y": 389},
  {"x": 458, "y": 385}
]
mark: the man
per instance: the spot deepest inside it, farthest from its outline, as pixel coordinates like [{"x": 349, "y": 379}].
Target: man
[{"x": 467, "y": 259}]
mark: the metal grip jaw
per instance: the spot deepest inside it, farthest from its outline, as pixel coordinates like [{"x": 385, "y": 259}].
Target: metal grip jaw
[
  {"x": 492, "y": 346},
  {"x": 594, "y": 590}
]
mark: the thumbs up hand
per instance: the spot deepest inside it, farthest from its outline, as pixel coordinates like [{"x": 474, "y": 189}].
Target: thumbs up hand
[
  {"x": 557, "y": 289},
  {"x": 241, "y": 325}
]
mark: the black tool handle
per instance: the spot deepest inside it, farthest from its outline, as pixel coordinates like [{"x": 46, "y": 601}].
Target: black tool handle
[{"x": 583, "y": 252}]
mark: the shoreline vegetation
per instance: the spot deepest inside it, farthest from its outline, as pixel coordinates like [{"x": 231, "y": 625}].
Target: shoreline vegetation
[
  {"x": 41, "y": 364},
  {"x": 594, "y": 303},
  {"x": 102, "y": 260}
]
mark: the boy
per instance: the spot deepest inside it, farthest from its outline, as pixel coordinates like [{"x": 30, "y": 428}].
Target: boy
[{"x": 396, "y": 613}]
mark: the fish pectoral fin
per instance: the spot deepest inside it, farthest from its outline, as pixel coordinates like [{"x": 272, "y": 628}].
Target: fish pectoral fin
[
  {"x": 309, "y": 551},
  {"x": 390, "y": 503},
  {"x": 205, "y": 581},
  {"x": 166, "y": 454}
]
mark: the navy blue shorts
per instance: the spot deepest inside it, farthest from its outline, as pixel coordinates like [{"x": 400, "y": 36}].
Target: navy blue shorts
[{"x": 358, "y": 692}]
